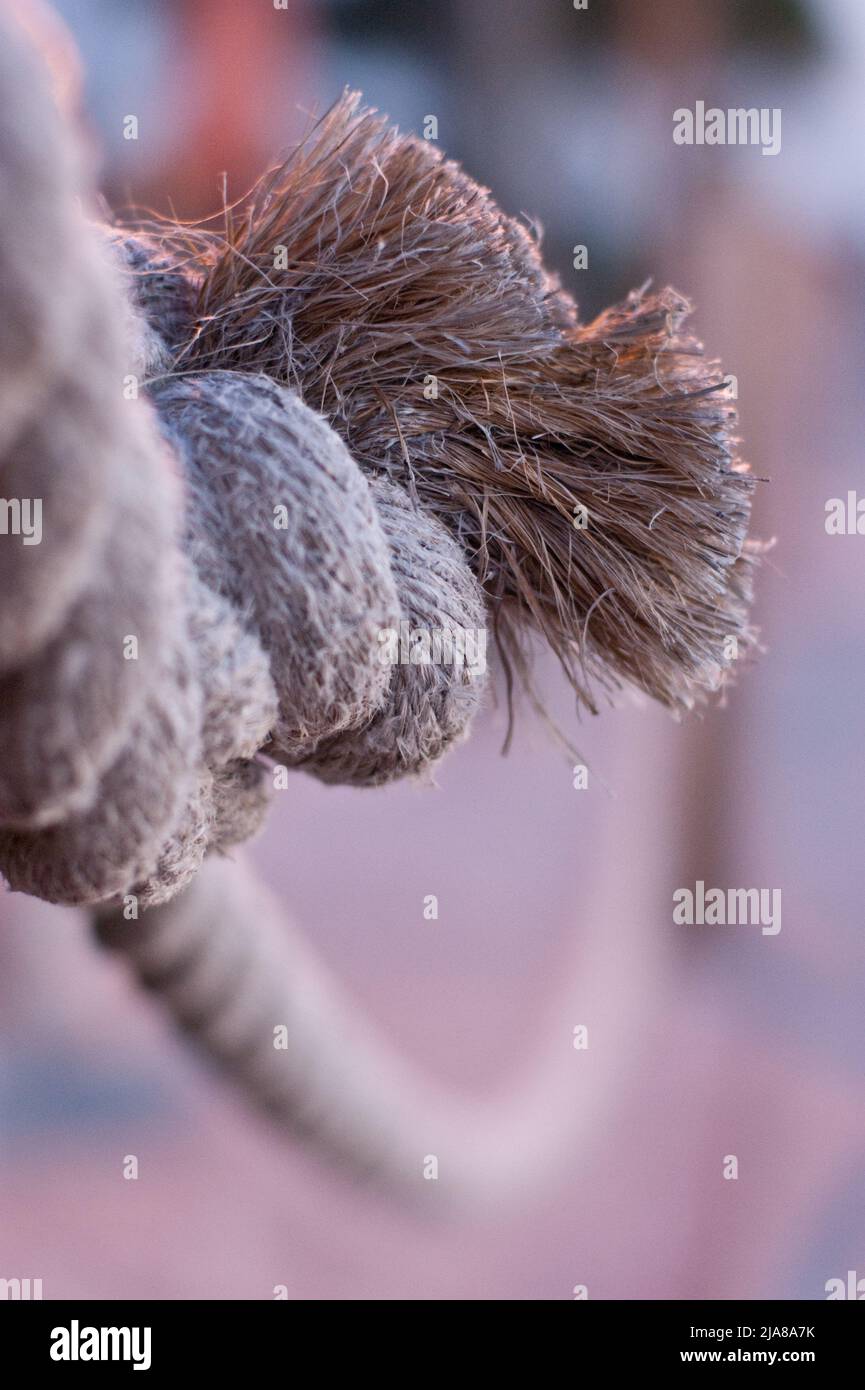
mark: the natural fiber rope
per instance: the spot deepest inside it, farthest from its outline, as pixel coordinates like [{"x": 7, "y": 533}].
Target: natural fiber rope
[{"x": 216, "y": 572}]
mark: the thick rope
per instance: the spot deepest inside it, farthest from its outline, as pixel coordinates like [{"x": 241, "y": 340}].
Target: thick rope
[{"x": 210, "y": 591}]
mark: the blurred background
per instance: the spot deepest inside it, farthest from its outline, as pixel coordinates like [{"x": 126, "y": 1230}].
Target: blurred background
[{"x": 554, "y": 903}]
